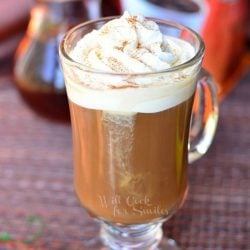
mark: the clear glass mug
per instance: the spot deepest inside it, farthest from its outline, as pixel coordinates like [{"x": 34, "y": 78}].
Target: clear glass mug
[{"x": 132, "y": 144}]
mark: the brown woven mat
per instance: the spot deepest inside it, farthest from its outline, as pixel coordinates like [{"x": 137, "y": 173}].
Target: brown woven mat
[{"x": 36, "y": 179}]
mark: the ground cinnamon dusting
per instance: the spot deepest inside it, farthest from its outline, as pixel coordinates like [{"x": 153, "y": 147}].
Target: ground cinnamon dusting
[
  {"x": 125, "y": 43},
  {"x": 132, "y": 20},
  {"x": 128, "y": 85},
  {"x": 105, "y": 30},
  {"x": 116, "y": 65}
]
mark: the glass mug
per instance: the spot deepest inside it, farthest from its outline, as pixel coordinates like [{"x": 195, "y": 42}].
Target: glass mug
[{"x": 130, "y": 166}]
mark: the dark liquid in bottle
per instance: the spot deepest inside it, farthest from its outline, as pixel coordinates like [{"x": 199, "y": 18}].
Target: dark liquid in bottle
[{"x": 40, "y": 80}]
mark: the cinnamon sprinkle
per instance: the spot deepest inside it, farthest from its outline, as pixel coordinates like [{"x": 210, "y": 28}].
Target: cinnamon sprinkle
[
  {"x": 116, "y": 65},
  {"x": 132, "y": 20},
  {"x": 105, "y": 30},
  {"x": 128, "y": 85}
]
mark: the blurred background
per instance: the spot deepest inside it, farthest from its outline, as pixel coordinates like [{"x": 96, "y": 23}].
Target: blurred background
[{"x": 38, "y": 207}]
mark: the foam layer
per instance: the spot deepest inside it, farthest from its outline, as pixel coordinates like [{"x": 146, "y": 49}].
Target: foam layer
[
  {"x": 130, "y": 45},
  {"x": 131, "y": 100}
]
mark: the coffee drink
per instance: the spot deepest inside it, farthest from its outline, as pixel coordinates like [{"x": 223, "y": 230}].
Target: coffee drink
[
  {"x": 130, "y": 120},
  {"x": 131, "y": 169}
]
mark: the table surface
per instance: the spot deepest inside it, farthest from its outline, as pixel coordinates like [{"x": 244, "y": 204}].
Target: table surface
[{"x": 36, "y": 180}]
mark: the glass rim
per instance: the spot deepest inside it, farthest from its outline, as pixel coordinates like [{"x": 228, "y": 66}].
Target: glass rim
[{"x": 193, "y": 60}]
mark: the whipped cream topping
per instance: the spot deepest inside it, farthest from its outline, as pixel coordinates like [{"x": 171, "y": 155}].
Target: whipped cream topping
[{"x": 130, "y": 44}]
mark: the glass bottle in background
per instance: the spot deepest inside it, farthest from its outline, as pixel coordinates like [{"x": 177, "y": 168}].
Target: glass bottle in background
[{"x": 37, "y": 70}]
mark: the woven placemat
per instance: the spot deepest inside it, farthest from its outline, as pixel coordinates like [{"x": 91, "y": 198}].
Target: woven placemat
[{"x": 36, "y": 180}]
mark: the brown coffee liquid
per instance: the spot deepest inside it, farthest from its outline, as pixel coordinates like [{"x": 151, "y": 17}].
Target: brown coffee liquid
[{"x": 131, "y": 168}]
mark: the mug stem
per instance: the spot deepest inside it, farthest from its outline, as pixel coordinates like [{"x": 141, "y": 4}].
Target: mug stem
[
  {"x": 140, "y": 237},
  {"x": 146, "y": 236}
]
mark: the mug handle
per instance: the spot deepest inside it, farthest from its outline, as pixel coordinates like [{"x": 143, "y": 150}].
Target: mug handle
[{"x": 204, "y": 116}]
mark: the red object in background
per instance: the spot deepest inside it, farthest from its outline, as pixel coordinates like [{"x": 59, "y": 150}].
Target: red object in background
[{"x": 224, "y": 33}]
